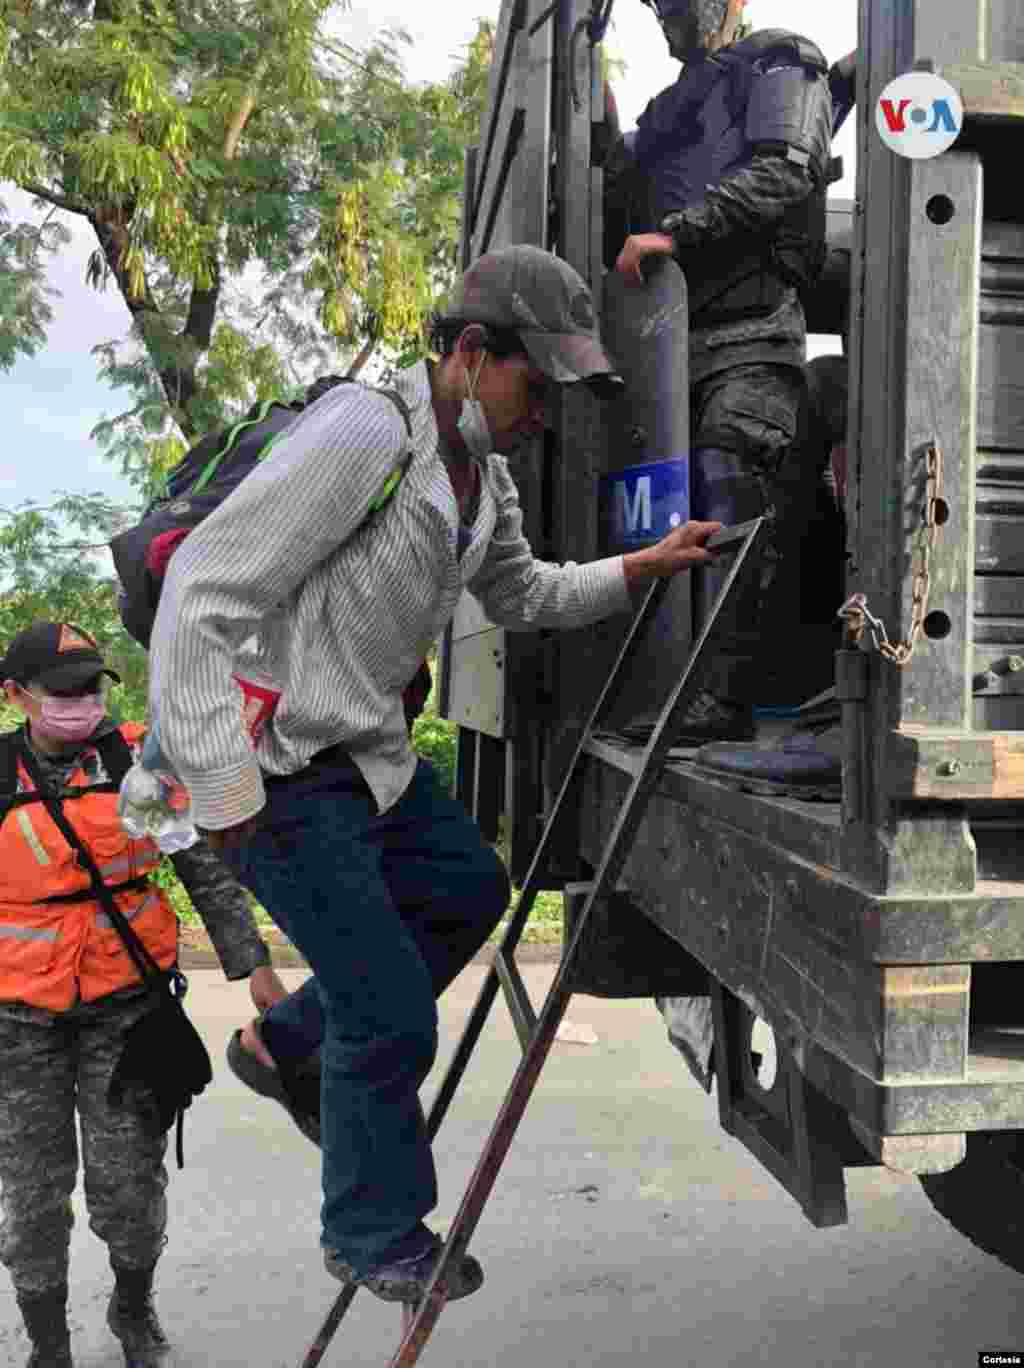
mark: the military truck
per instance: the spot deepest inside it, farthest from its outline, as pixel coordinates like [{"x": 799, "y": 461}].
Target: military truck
[{"x": 876, "y": 941}]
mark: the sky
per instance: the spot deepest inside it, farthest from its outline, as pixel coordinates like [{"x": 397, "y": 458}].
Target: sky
[{"x": 53, "y": 400}]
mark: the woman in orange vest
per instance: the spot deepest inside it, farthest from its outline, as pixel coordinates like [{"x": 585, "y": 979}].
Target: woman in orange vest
[{"x": 69, "y": 995}]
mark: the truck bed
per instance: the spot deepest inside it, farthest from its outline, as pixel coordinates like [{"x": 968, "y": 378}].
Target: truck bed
[{"x": 872, "y": 992}]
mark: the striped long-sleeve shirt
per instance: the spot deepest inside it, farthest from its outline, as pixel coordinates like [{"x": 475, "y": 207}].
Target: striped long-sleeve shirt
[{"x": 342, "y": 611}]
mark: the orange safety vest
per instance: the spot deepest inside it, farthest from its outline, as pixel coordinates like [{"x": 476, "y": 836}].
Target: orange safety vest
[{"x": 55, "y": 954}]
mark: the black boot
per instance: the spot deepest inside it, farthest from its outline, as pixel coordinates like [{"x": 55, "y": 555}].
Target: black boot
[
  {"x": 806, "y": 764},
  {"x": 712, "y": 718},
  {"x": 45, "y": 1317},
  {"x": 132, "y": 1317}
]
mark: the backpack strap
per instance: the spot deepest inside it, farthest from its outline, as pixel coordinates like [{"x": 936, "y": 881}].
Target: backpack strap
[
  {"x": 117, "y": 757},
  {"x": 392, "y": 394},
  {"x": 113, "y": 749},
  {"x": 401, "y": 406},
  {"x": 8, "y": 771},
  {"x": 390, "y": 485},
  {"x": 254, "y": 416},
  {"x": 259, "y": 415}
]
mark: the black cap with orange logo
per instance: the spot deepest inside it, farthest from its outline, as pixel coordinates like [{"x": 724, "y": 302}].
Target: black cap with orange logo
[{"x": 55, "y": 655}]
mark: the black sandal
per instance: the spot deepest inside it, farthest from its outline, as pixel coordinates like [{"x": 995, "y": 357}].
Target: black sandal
[{"x": 299, "y": 1095}]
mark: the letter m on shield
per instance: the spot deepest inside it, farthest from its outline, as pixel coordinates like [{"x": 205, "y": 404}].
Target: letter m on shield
[{"x": 636, "y": 512}]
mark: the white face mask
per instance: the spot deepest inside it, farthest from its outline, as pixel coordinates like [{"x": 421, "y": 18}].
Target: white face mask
[{"x": 472, "y": 423}]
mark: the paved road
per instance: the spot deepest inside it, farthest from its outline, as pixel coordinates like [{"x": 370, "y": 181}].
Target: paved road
[{"x": 626, "y": 1232}]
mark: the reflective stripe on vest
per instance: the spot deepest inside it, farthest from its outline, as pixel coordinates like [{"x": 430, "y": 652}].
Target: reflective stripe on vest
[
  {"x": 104, "y": 922},
  {"x": 29, "y": 832},
  {"x": 126, "y": 864},
  {"x": 26, "y": 933}
]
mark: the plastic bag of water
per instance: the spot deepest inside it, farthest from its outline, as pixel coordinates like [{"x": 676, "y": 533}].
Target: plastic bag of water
[{"x": 154, "y": 802}]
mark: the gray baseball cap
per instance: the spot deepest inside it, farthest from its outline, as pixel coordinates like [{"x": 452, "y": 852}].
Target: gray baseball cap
[{"x": 548, "y": 304}]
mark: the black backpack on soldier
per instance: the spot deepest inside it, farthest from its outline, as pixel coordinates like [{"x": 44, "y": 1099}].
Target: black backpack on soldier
[{"x": 198, "y": 484}]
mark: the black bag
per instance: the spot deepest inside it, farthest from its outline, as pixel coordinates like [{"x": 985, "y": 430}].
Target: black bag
[
  {"x": 165, "y": 1064},
  {"x": 201, "y": 482}
]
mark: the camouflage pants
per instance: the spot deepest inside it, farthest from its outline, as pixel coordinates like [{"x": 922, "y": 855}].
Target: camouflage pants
[
  {"x": 47, "y": 1072},
  {"x": 751, "y": 409}
]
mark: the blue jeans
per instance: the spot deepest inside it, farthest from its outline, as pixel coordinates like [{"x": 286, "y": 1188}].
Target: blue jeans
[{"x": 388, "y": 909}]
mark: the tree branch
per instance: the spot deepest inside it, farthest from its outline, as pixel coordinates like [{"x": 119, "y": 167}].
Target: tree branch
[
  {"x": 113, "y": 240},
  {"x": 369, "y": 347},
  {"x": 179, "y": 384},
  {"x": 58, "y": 201},
  {"x": 359, "y": 66},
  {"x": 237, "y": 125},
  {"x": 243, "y": 113},
  {"x": 202, "y": 311}
]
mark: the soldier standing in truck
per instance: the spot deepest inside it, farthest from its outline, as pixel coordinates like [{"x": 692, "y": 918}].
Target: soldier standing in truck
[{"x": 729, "y": 168}]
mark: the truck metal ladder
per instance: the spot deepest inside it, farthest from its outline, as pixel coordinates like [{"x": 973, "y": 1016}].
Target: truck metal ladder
[{"x": 537, "y": 1030}]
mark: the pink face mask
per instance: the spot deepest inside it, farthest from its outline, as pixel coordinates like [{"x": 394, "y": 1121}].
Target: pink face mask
[{"x": 69, "y": 719}]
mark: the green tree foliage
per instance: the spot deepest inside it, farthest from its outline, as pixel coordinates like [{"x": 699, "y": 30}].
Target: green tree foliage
[
  {"x": 262, "y": 197},
  {"x": 266, "y": 201},
  {"x": 25, "y": 309},
  {"x": 434, "y": 739}
]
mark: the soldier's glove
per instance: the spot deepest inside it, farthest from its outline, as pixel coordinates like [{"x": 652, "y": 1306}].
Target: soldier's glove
[{"x": 685, "y": 234}]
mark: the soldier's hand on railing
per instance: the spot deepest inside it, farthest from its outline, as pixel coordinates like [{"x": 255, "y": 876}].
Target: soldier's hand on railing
[
  {"x": 682, "y": 549},
  {"x": 637, "y": 248}
]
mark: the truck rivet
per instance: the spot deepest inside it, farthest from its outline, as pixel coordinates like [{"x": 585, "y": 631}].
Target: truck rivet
[
  {"x": 949, "y": 768},
  {"x": 1016, "y": 664}
]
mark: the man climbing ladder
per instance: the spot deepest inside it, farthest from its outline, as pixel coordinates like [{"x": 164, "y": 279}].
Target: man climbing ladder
[
  {"x": 380, "y": 879},
  {"x": 537, "y": 1032}
]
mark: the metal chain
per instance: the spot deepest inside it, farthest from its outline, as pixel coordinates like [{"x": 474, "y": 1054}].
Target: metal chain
[{"x": 855, "y": 611}]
